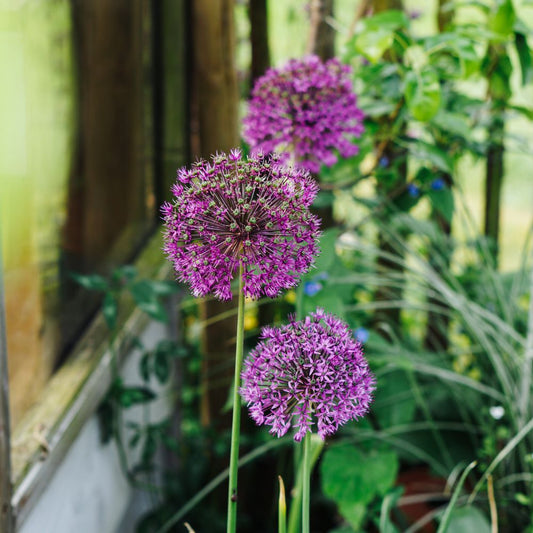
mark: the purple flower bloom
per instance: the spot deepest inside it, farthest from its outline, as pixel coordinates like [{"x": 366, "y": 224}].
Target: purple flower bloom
[
  {"x": 306, "y": 372},
  {"x": 306, "y": 109},
  {"x": 232, "y": 211},
  {"x": 438, "y": 184}
]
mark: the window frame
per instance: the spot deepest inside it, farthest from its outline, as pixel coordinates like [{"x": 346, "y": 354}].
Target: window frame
[
  {"x": 29, "y": 458},
  {"x": 34, "y": 457},
  {"x": 6, "y": 514}
]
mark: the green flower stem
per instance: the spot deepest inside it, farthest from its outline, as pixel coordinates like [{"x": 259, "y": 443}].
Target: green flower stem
[
  {"x": 306, "y": 482},
  {"x": 236, "y": 422},
  {"x": 295, "y": 513}
]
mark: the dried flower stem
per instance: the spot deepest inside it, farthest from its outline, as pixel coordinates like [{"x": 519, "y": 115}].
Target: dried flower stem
[
  {"x": 492, "y": 506},
  {"x": 236, "y": 421}
]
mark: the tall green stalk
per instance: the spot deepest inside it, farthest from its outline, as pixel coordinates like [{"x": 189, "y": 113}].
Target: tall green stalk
[
  {"x": 236, "y": 420},
  {"x": 306, "y": 482}
]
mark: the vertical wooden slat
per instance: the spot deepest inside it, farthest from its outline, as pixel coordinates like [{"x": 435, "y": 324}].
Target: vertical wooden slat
[
  {"x": 171, "y": 98},
  {"x": 109, "y": 182},
  {"x": 216, "y": 99},
  {"x": 321, "y": 38},
  {"x": 6, "y": 519},
  {"x": 395, "y": 154},
  {"x": 258, "y": 15}
]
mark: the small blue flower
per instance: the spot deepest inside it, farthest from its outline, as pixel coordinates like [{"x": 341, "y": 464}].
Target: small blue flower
[
  {"x": 322, "y": 276},
  {"x": 413, "y": 190},
  {"x": 361, "y": 334},
  {"x": 384, "y": 162},
  {"x": 438, "y": 184},
  {"x": 312, "y": 287}
]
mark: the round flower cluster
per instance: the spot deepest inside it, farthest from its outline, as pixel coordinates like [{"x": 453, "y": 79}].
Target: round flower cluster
[
  {"x": 305, "y": 110},
  {"x": 307, "y": 371},
  {"x": 233, "y": 212}
]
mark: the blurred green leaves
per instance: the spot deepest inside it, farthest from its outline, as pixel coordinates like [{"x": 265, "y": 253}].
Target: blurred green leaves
[{"x": 353, "y": 478}]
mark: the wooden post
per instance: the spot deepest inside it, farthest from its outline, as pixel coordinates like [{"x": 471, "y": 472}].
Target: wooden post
[
  {"x": 392, "y": 152},
  {"x": 109, "y": 179},
  {"x": 321, "y": 39},
  {"x": 258, "y": 16},
  {"x": 6, "y": 518},
  {"x": 171, "y": 66},
  {"x": 215, "y": 100},
  {"x": 436, "y": 337},
  {"x": 494, "y": 180}
]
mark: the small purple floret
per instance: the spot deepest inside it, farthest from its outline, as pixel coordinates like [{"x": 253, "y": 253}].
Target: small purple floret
[
  {"x": 233, "y": 211},
  {"x": 305, "y": 110},
  {"x": 305, "y": 373}
]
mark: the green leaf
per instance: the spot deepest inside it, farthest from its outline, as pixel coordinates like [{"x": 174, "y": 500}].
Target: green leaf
[
  {"x": 468, "y": 519},
  {"x": 500, "y": 76},
  {"x": 327, "y": 255},
  {"x": 161, "y": 366},
  {"x": 128, "y": 396},
  {"x": 354, "y": 513},
  {"x": 323, "y": 199},
  {"x": 149, "y": 448},
  {"x": 501, "y": 21},
  {"x": 524, "y": 56},
  {"x": 142, "y": 291},
  {"x": 526, "y": 111},
  {"x": 457, "y": 45},
  {"x": 92, "y": 282},
  {"x": 443, "y": 202},
  {"x": 164, "y": 288},
  {"x": 394, "y": 404},
  {"x": 353, "y": 479},
  {"x": 428, "y": 152},
  {"x": 155, "y": 310},
  {"x": 375, "y": 34},
  {"x": 144, "y": 366},
  {"x": 377, "y": 108},
  {"x": 422, "y": 94},
  {"x": 416, "y": 57},
  {"x": 145, "y": 294},
  {"x": 134, "y": 440},
  {"x": 327, "y": 299},
  {"x": 124, "y": 273},
  {"x": 452, "y": 123},
  {"x": 110, "y": 310}
]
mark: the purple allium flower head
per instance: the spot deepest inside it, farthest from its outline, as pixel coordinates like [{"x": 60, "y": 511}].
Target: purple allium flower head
[
  {"x": 307, "y": 372},
  {"x": 305, "y": 110},
  {"x": 233, "y": 211}
]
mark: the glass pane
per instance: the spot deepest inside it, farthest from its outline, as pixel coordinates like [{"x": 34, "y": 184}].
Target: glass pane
[{"x": 76, "y": 179}]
